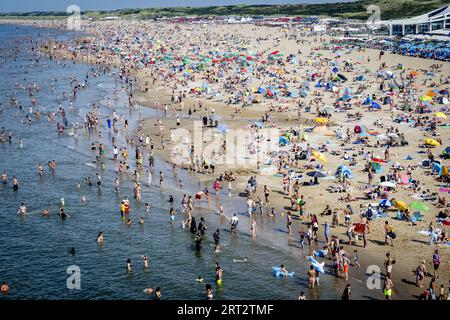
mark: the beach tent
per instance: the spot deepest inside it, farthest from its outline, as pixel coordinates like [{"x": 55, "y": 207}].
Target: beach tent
[
  {"x": 283, "y": 141},
  {"x": 376, "y": 167},
  {"x": 342, "y": 171},
  {"x": 368, "y": 100},
  {"x": 375, "y": 106},
  {"x": 446, "y": 153},
  {"x": 437, "y": 167}
]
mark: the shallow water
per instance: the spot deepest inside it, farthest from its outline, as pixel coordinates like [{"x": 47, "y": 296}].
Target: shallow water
[{"x": 34, "y": 249}]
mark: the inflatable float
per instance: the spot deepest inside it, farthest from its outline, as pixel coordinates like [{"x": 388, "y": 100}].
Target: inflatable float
[
  {"x": 277, "y": 272},
  {"x": 317, "y": 266}
]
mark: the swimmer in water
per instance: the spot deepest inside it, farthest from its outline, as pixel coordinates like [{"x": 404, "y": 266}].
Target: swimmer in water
[
  {"x": 4, "y": 288},
  {"x": 15, "y": 183},
  {"x": 100, "y": 238},
  {"x": 172, "y": 216},
  {"x": 158, "y": 293},
  {"x": 45, "y": 212},
  {"x": 283, "y": 270},
  {"x": 209, "y": 292},
  {"x": 148, "y": 290},
  {"x": 62, "y": 214},
  {"x": 22, "y": 209},
  {"x": 72, "y": 251},
  {"x": 41, "y": 170},
  {"x": 240, "y": 260},
  {"x": 145, "y": 261},
  {"x": 129, "y": 266},
  {"x": 141, "y": 220},
  {"x": 4, "y": 177},
  {"x": 129, "y": 222},
  {"x": 147, "y": 208},
  {"x": 199, "y": 279}
]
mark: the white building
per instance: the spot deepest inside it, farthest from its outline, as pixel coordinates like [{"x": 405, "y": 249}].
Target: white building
[{"x": 434, "y": 22}]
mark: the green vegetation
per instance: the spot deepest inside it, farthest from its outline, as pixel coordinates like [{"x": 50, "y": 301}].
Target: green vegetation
[{"x": 357, "y": 10}]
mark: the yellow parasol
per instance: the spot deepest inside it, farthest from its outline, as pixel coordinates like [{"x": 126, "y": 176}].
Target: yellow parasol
[
  {"x": 432, "y": 142},
  {"x": 440, "y": 115}
]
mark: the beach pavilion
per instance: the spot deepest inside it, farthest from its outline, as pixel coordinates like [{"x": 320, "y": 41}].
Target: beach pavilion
[{"x": 434, "y": 22}]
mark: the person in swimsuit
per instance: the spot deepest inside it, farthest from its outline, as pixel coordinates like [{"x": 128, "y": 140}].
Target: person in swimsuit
[
  {"x": 145, "y": 261},
  {"x": 15, "y": 183},
  {"x": 289, "y": 222},
  {"x": 311, "y": 276},
  {"x": 100, "y": 238},
  {"x": 209, "y": 293},
  {"x": 158, "y": 293}
]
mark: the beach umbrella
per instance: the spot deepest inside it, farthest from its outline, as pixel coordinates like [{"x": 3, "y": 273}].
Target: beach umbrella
[
  {"x": 443, "y": 91},
  {"x": 440, "y": 115},
  {"x": 385, "y": 203},
  {"x": 419, "y": 206},
  {"x": 316, "y": 174}
]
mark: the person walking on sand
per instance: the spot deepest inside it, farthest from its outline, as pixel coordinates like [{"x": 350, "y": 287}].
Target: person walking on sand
[
  {"x": 388, "y": 264},
  {"x": 436, "y": 263},
  {"x": 421, "y": 271},
  {"x": 389, "y": 233}
]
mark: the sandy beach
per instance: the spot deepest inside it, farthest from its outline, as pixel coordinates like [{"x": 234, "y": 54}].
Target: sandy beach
[{"x": 323, "y": 104}]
